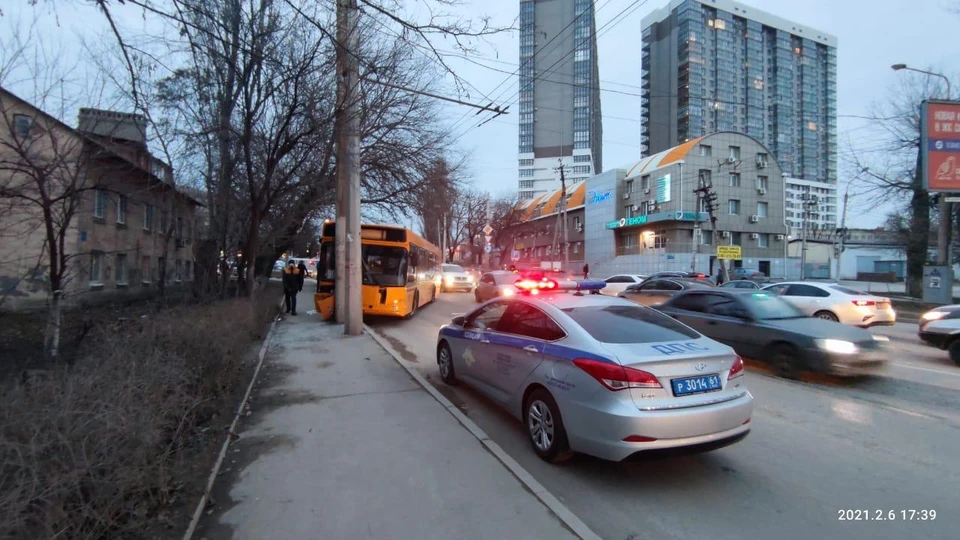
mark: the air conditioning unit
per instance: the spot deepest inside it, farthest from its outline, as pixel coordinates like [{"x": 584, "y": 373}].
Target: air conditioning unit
[
  {"x": 754, "y": 219},
  {"x": 754, "y": 236},
  {"x": 652, "y": 202},
  {"x": 762, "y": 191},
  {"x": 726, "y": 234},
  {"x": 646, "y": 191},
  {"x": 779, "y": 237},
  {"x": 626, "y": 196},
  {"x": 761, "y": 164},
  {"x": 580, "y": 228},
  {"x": 731, "y": 159},
  {"x": 636, "y": 207}
]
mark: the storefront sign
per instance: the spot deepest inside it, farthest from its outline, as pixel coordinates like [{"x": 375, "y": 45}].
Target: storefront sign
[
  {"x": 663, "y": 189},
  {"x": 940, "y": 145},
  {"x": 729, "y": 253},
  {"x": 594, "y": 197},
  {"x": 650, "y": 218}
]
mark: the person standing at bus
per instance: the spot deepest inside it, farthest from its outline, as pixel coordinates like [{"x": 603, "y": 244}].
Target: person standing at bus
[
  {"x": 586, "y": 271},
  {"x": 292, "y": 283},
  {"x": 303, "y": 273}
]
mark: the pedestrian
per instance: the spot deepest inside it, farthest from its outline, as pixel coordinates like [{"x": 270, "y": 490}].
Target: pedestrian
[
  {"x": 586, "y": 271},
  {"x": 292, "y": 283},
  {"x": 720, "y": 276},
  {"x": 303, "y": 273}
]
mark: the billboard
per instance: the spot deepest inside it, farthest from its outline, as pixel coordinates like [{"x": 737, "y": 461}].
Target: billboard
[
  {"x": 940, "y": 145},
  {"x": 729, "y": 253}
]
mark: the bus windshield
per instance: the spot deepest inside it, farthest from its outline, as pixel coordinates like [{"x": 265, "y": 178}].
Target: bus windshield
[{"x": 384, "y": 265}]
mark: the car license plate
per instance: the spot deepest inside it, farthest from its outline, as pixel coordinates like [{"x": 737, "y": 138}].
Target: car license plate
[
  {"x": 883, "y": 305},
  {"x": 696, "y": 385}
]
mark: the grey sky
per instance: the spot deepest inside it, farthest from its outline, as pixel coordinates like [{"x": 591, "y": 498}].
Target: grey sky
[{"x": 872, "y": 35}]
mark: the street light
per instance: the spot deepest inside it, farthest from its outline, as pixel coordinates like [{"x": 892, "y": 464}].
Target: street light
[{"x": 945, "y": 208}]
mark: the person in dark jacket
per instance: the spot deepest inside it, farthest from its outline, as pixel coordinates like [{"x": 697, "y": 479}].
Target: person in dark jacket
[
  {"x": 303, "y": 273},
  {"x": 720, "y": 276},
  {"x": 586, "y": 271},
  {"x": 292, "y": 283}
]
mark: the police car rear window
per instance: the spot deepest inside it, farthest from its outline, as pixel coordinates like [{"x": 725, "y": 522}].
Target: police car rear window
[{"x": 628, "y": 324}]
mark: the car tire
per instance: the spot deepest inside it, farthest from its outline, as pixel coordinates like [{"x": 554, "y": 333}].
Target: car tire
[
  {"x": 416, "y": 305},
  {"x": 954, "y": 350},
  {"x": 785, "y": 361},
  {"x": 826, "y": 315},
  {"x": 545, "y": 427},
  {"x": 445, "y": 364}
]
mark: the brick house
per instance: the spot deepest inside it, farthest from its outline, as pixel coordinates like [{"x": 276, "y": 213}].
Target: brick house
[{"x": 123, "y": 222}]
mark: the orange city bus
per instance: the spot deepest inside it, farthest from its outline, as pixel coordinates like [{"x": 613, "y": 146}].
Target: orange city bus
[{"x": 401, "y": 270}]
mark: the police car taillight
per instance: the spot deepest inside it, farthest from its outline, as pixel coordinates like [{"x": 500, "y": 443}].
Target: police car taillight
[
  {"x": 616, "y": 377},
  {"x": 736, "y": 370}
]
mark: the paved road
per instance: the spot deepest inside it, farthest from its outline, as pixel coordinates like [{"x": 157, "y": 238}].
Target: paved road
[{"x": 816, "y": 449}]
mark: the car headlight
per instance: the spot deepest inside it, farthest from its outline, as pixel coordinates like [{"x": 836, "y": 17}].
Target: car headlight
[
  {"x": 470, "y": 279},
  {"x": 508, "y": 292},
  {"x": 933, "y": 315},
  {"x": 448, "y": 279},
  {"x": 837, "y": 346}
]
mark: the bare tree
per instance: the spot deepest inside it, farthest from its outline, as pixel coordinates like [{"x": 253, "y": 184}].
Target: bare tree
[{"x": 505, "y": 217}]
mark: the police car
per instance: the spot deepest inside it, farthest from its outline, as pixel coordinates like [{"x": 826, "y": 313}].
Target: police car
[{"x": 597, "y": 374}]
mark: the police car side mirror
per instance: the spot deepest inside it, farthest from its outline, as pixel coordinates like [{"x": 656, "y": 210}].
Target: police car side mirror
[{"x": 459, "y": 321}]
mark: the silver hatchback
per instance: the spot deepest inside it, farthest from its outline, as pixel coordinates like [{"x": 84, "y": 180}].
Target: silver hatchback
[{"x": 598, "y": 375}]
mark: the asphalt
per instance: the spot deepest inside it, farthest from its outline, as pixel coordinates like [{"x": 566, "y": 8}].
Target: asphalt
[
  {"x": 341, "y": 442},
  {"x": 818, "y": 449}
]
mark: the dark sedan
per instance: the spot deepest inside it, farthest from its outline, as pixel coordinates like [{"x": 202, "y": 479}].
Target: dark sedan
[
  {"x": 764, "y": 327},
  {"x": 655, "y": 291}
]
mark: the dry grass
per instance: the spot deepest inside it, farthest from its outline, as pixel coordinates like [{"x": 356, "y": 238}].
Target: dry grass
[{"x": 92, "y": 451}]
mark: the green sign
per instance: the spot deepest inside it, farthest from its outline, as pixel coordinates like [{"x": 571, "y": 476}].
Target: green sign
[{"x": 650, "y": 218}]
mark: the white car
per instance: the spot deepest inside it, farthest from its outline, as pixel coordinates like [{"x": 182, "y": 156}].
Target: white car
[
  {"x": 455, "y": 278},
  {"x": 837, "y": 303},
  {"x": 619, "y": 283}
]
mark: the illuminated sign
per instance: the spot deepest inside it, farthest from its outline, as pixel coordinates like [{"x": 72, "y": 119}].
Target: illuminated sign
[
  {"x": 650, "y": 218},
  {"x": 940, "y": 145},
  {"x": 663, "y": 189},
  {"x": 599, "y": 196}
]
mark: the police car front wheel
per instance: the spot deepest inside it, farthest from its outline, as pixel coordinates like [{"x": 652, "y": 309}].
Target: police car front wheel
[{"x": 445, "y": 363}]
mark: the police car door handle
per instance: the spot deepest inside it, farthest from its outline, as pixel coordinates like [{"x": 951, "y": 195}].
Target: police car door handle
[{"x": 531, "y": 349}]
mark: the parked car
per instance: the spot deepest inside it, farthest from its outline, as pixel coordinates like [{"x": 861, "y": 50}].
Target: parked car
[
  {"x": 656, "y": 291},
  {"x": 837, "y": 303},
  {"x": 678, "y": 274},
  {"x": 747, "y": 273},
  {"x": 765, "y": 327},
  {"x": 618, "y": 283},
  {"x": 740, "y": 284},
  {"x": 454, "y": 277},
  {"x": 495, "y": 284},
  {"x": 598, "y": 375},
  {"x": 940, "y": 327}
]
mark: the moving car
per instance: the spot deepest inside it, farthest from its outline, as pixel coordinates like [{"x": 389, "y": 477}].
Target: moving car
[
  {"x": 455, "y": 278},
  {"x": 597, "y": 374},
  {"x": 494, "y": 284},
  {"x": 740, "y": 284},
  {"x": 765, "y": 327},
  {"x": 655, "y": 291},
  {"x": 940, "y": 327},
  {"x": 837, "y": 303},
  {"x": 618, "y": 283}
]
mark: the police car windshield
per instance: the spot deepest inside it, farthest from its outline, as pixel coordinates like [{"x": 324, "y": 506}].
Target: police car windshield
[{"x": 628, "y": 324}]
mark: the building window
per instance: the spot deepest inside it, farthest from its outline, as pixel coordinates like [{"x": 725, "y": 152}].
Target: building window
[
  {"x": 526, "y": 163},
  {"x": 706, "y": 150},
  {"x": 734, "y": 152},
  {"x": 660, "y": 240},
  {"x": 629, "y": 186},
  {"x": 526, "y": 184},
  {"x": 734, "y": 179},
  {"x": 186, "y": 271},
  {"x": 21, "y": 125},
  {"x": 734, "y": 207},
  {"x": 526, "y": 173},
  {"x": 121, "y": 209},
  {"x": 764, "y": 240},
  {"x": 762, "y": 209},
  {"x": 96, "y": 268},
  {"x": 121, "y": 269},
  {"x": 628, "y": 211},
  {"x": 162, "y": 269},
  {"x": 148, "y": 217},
  {"x": 706, "y": 237},
  {"x": 580, "y": 159},
  {"x": 762, "y": 183},
  {"x": 178, "y": 271},
  {"x": 645, "y": 182},
  {"x": 164, "y": 218},
  {"x": 146, "y": 272},
  {"x": 705, "y": 176},
  {"x": 736, "y": 239},
  {"x": 100, "y": 204},
  {"x": 812, "y": 126}
]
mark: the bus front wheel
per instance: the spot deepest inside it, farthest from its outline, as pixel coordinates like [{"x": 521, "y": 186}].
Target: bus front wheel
[{"x": 416, "y": 304}]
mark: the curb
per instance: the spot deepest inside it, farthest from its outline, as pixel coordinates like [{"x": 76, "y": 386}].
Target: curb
[
  {"x": 568, "y": 518},
  {"x": 198, "y": 513}
]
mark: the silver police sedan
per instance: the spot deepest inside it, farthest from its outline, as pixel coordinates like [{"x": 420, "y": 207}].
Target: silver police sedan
[{"x": 598, "y": 375}]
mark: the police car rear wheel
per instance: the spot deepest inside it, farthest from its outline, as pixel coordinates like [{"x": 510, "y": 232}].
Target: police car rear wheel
[
  {"x": 445, "y": 363},
  {"x": 545, "y": 427}
]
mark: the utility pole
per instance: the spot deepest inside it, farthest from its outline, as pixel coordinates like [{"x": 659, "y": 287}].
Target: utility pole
[
  {"x": 561, "y": 224},
  {"x": 696, "y": 225},
  {"x": 705, "y": 190},
  {"x": 563, "y": 209},
  {"x": 349, "y": 284}
]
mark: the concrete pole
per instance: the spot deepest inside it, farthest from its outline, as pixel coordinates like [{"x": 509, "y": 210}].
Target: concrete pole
[
  {"x": 348, "y": 173},
  {"x": 563, "y": 223}
]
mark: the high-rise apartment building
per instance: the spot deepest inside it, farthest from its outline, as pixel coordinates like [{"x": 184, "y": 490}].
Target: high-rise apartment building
[
  {"x": 719, "y": 65},
  {"x": 559, "y": 95}
]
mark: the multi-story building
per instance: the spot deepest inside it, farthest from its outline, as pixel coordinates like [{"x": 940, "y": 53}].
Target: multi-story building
[
  {"x": 559, "y": 95},
  {"x": 718, "y": 65},
  {"x": 119, "y": 223},
  {"x": 819, "y": 199},
  {"x": 537, "y": 236}
]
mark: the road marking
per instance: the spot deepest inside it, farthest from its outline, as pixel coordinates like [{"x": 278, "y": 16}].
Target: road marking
[
  {"x": 910, "y": 413},
  {"x": 931, "y": 370}
]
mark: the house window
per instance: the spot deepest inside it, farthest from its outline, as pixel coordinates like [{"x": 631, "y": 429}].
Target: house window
[
  {"x": 628, "y": 211},
  {"x": 734, "y": 207},
  {"x": 164, "y": 218},
  {"x": 734, "y": 152},
  {"x": 706, "y": 150},
  {"x": 178, "y": 271},
  {"x": 162, "y": 269},
  {"x": 146, "y": 272},
  {"x": 762, "y": 209},
  {"x": 526, "y": 173},
  {"x": 764, "y": 240},
  {"x": 645, "y": 182},
  {"x": 762, "y": 183},
  {"x": 100, "y": 204},
  {"x": 706, "y": 237},
  {"x": 96, "y": 268},
  {"x": 148, "y": 217},
  {"x": 736, "y": 239},
  {"x": 734, "y": 179},
  {"x": 21, "y": 125},
  {"x": 186, "y": 271},
  {"x": 629, "y": 186},
  {"x": 121, "y": 269},
  {"x": 180, "y": 229},
  {"x": 121, "y": 209}
]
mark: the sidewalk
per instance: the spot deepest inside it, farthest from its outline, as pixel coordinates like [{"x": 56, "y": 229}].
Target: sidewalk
[{"x": 343, "y": 444}]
